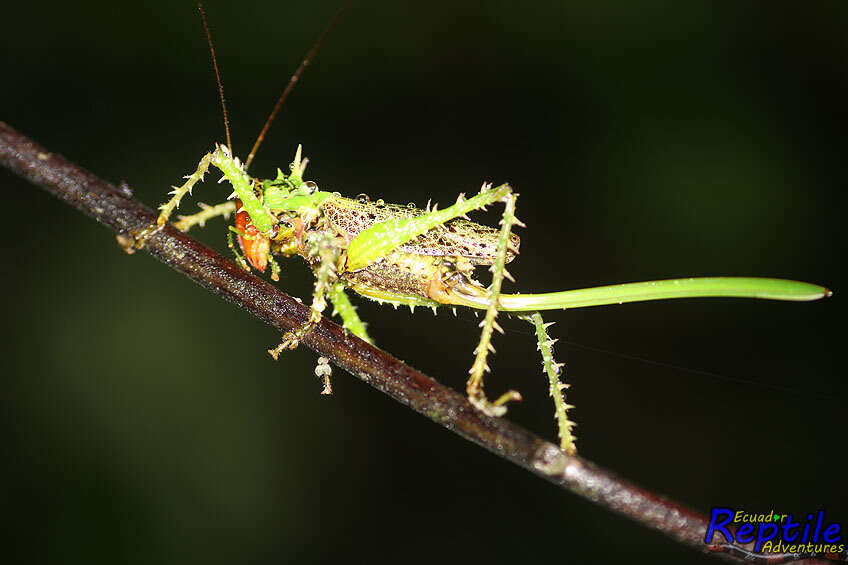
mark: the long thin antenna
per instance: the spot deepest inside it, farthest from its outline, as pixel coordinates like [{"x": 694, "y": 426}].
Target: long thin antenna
[
  {"x": 217, "y": 76},
  {"x": 294, "y": 78}
]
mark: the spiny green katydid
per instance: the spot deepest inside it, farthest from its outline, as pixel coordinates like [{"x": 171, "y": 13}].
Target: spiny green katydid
[{"x": 403, "y": 255}]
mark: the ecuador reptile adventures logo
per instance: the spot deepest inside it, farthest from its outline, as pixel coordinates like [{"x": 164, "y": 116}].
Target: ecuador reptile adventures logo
[{"x": 775, "y": 532}]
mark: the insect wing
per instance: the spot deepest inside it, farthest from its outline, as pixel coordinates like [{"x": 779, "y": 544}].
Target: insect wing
[{"x": 458, "y": 237}]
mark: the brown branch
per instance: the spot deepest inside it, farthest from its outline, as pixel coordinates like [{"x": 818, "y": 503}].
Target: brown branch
[{"x": 116, "y": 209}]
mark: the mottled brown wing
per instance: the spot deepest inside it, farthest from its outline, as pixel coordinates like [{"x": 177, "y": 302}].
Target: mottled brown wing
[{"x": 458, "y": 237}]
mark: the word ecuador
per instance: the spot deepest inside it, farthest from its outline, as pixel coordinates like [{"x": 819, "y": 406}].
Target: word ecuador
[{"x": 775, "y": 533}]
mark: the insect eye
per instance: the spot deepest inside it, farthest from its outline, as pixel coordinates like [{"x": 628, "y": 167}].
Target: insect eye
[{"x": 310, "y": 186}]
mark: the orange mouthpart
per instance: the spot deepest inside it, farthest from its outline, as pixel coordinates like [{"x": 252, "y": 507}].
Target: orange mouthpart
[{"x": 255, "y": 246}]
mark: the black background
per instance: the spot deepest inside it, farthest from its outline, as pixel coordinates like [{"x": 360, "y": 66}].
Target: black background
[{"x": 142, "y": 419}]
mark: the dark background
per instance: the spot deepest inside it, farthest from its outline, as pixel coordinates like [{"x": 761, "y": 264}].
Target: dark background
[{"x": 142, "y": 420}]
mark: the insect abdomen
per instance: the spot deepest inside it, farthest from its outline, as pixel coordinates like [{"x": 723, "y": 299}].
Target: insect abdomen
[{"x": 407, "y": 278}]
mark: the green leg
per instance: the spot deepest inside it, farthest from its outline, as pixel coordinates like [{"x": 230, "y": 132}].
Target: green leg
[
  {"x": 234, "y": 173},
  {"x": 474, "y": 387},
  {"x": 381, "y": 239},
  {"x": 207, "y": 212},
  {"x": 240, "y": 260},
  {"x": 166, "y": 209},
  {"x": 177, "y": 192},
  {"x": 321, "y": 246},
  {"x": 553, "y": 370},
  {"x": 347, "y": 312},
  {"x": 242, "y": 188},
  {"x": 275, "y": 267}
]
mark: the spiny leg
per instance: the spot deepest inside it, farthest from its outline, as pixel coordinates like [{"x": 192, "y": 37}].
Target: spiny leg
[
  {"x": 382, "y": 238},
  {"x": 207, "y": 212},
  {"x": 341, "y": 306},
  {"x": 243, "y": 188},
  {"x": 323, "y": 247},
  {"x": 474, "y": 387},
  {"x": 240, "y": 260},
  {"x": 166, "y": 209},
  {"x": 347, "y": 312},
  {"x": 553, "y": 370},
  {"x": 233, "y": 171},
  {"x": 275, "y": 268}
]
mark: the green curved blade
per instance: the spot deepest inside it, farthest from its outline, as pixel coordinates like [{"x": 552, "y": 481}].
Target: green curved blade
[{"x": 737, "y": 287}]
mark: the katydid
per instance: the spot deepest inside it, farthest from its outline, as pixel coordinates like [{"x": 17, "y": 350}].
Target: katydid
[{"x": 403, "y": 255}]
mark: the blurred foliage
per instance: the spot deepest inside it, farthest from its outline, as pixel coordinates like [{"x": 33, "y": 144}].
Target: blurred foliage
[{"x": 142, "y": 419}]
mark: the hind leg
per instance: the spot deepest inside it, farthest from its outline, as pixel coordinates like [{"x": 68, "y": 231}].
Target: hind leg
[
  {"x": 553, "y": 370},
  {"x": 383, "y": 238},
  {"x": 474, "y": 387}
]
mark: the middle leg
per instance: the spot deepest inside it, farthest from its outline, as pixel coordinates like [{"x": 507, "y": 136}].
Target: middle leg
[
  {"x": 347, "y": 312},
  {"x": 324, "y": 253}
]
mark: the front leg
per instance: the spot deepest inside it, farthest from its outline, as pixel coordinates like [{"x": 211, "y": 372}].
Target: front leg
[
  {"x": 165, "y": 210},
  {"x": 242, "y": 189},
  {"x": 206, "y": 213},
  {"x": 177, "y": 192}
]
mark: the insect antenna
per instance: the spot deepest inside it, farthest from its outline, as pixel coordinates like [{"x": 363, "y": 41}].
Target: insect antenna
[
  {"x": 292, "y": 80},
  {"x": 217, "y": 75}
]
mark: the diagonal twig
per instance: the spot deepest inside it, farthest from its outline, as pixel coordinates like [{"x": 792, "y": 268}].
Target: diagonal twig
[{"x": 116, "y": 209}]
